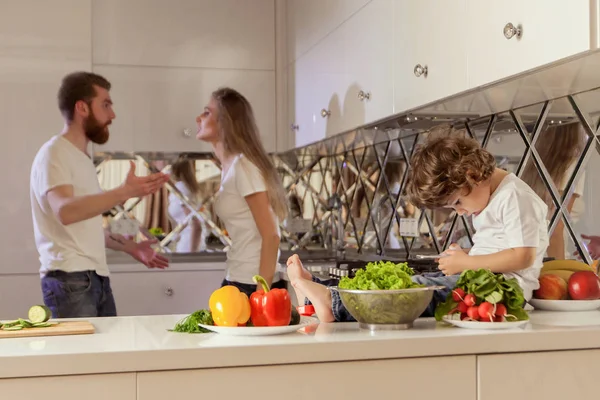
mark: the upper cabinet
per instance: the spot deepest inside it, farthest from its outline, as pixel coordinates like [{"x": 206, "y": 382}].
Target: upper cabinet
[
  {"x": 430, "y": 53},
  {"x": 309, "y": 21},
  {"x": 506, "y": 37},
  {"x": 336, "y": 84},
  {"x": 353, "y": 62},
  {"x": 165, "y": 59},
  {"x": 156, "y": 108},
  {"x": 185, "y": 33}
]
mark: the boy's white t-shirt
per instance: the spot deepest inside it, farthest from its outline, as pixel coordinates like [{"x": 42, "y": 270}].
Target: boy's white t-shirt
[
  {"x": 514, "y": 217},
  {"x": 71, "y": 248},
  {"x": 243, "y": 258}
]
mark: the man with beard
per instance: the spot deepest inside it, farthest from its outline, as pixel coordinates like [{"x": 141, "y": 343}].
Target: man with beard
[{"x": 68, "y": 203}]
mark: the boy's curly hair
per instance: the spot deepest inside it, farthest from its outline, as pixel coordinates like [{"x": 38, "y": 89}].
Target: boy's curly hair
[{"x": 445, "y": 164}]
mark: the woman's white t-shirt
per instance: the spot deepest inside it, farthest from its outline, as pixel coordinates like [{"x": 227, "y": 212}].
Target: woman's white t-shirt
[
  {"x": 177, "y": 213},
  {"x": 243, "y": 258},
  {"x": 514, "y": 217}
]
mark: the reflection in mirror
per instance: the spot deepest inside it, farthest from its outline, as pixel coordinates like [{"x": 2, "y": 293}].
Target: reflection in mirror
[
  {"x": 180, "y": 215},
  {"x": 559, "y": 146},
  {"x": 505, "y": 143}
]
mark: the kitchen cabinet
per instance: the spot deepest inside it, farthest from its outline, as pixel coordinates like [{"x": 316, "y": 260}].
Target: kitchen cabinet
[
  {"x": 156, "y": 108},
  {"x": 368, "y": 42},
  {"x": 430, "y": 51},
  {"x": 309, "y": 21},
  {"x": 551, "y": 30},
  {"x": 336, "y": 85},
  {"x": 185, "y": 33},
  {"x": 40, "y": 43},
  {"x": 547, "y": 375},
  {"x": 380, "y": 379},
  {"x": 90, "y": 387},
  {"x": 163, "y": 292}
]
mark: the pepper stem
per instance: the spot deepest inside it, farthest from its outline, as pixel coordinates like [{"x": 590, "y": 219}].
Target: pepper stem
[{"x": 260, "y": 280}]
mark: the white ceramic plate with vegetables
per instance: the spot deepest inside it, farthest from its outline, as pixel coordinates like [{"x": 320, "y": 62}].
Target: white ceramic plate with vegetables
[
  {"x": 484, "y": 325},
  {"x": 565, "y": 305},
  {"x": 261, "y": 330}
]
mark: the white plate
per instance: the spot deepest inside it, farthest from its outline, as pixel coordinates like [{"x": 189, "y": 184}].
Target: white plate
[
  {"x": 261, "y": 330},
  {"x": 565, "y": 305},
  {"x": 484, "y": 325}
]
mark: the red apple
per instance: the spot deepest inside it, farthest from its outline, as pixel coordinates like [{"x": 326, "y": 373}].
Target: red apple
[
  {"x": 552, "y": 287},
  {"x": 584, "y": 285}
]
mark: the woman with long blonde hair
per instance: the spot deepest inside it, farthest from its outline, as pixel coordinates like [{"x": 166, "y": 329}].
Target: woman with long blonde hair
[
  {"x": 251, "y": 201},
  {"x": 559, "y": 148},
  {"x": 192, "y": 238}
]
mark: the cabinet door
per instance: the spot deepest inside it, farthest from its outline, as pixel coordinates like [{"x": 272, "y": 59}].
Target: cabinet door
[
  {"x": 40, "y": 42},
  {"x": 309, "y": 21},
  {"x": 548, "y": 375},
  {"x": 319, "y": 87},
  {"x": 185, "y": 33},
  {"x": 551, "y": 30},
  {"x": 368, "y": 43},
  {"x": 163, "y": 292},
  {"x": 157, "y": 107},
  {"x": 429, "y": 33},
  {"x": 90, "y": 387},
  {"x": 379, "y": 379}
]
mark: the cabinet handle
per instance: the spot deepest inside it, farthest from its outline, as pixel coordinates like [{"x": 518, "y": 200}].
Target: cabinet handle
[
  {"x": 325, "y": 113},
  {"x": 294, "y": 127},
  {"x": 364, "y": 95},
  {"x": 510, "y": 31},
  {"x": 169, "y": 291},
  {"x": 187, "y": 132},
  {"x": 420, "y": 70}
]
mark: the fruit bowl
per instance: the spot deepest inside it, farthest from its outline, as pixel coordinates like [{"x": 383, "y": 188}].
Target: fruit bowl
[
  {"x": 565, "y": 305},
  {"x": 386, "y": 309}
]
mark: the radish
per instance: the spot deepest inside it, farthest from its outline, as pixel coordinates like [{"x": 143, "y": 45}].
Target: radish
[
  {"x": 458, "y": 295},
  {"x": 498, "y": 318},
  {"x": 470, "y": 300},
  {"x": 464, "y": 316},
  {"x": 462, "y": 307},
  {"x": 500, "y": 310},
  {"x": 473, "y": 313},
  {"x": 486, "y": 311}
]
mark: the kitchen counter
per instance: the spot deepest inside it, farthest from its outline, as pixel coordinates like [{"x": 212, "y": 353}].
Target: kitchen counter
[{"x": 140, "y": 351}]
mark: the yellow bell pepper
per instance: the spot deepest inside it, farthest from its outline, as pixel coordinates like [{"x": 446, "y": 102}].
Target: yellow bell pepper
[{"x": 229, "y": 306}]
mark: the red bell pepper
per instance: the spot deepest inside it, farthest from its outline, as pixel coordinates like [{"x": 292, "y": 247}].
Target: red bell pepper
[{"x": 270, "y": 307}]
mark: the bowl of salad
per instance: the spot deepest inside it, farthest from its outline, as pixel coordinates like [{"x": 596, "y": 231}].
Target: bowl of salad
[{"x": 383, "y": 296}]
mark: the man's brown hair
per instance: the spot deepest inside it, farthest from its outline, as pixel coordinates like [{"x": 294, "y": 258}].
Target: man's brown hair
[
  {"x": 78, "y": 86},
  {"x": 444, "y": 165}
]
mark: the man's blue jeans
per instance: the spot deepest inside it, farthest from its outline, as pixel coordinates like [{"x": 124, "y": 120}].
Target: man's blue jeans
[{"x": 78, "y": 294}]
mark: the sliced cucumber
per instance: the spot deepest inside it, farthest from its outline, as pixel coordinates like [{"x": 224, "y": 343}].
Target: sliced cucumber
[
  {"x": 39, "y": 314},
  {"x": 12, "y": 328}
]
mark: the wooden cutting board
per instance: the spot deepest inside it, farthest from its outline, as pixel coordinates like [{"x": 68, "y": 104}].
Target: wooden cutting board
[{"x": 61, "y": 328}]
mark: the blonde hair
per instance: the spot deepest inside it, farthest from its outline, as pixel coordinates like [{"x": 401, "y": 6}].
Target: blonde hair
[
  {"x": 239, "y": 134},
  {"x": 558, "y": 147},
  {"x": 184, "y": 170}
]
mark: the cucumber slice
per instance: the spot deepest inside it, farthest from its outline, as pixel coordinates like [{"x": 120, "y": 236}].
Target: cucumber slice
[
  {"x": 39, "y": 314},
  {"x": 12, "y": 328}
]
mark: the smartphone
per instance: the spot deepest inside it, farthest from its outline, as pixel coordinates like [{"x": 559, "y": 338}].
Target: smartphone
[{"x": 429, "y": 256}]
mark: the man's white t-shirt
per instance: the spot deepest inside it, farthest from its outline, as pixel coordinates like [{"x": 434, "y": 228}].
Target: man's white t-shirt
[
  {"x": 76, "y": 247},
  {"x": 243, "y": 258},
  {"x": 514, "y": 217}
]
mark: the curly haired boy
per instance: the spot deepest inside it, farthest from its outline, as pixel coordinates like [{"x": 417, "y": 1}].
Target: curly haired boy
[{"x": 509, "y": 218}]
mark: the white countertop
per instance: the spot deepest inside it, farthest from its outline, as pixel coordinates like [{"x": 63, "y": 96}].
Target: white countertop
[{"x": 126, "y": 344}]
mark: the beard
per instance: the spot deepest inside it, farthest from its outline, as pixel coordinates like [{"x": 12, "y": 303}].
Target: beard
[{"x": 95, "y": 131}]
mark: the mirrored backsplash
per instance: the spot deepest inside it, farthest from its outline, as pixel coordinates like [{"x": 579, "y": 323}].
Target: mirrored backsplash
[{"x": 346, "y": 196}]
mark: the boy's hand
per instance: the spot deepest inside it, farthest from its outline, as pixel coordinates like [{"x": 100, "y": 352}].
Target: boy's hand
[{"x": 454, "y": 260}]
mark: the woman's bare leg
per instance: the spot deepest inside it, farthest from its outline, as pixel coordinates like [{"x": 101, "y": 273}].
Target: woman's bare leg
[{"x": 317, "y": 294}]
